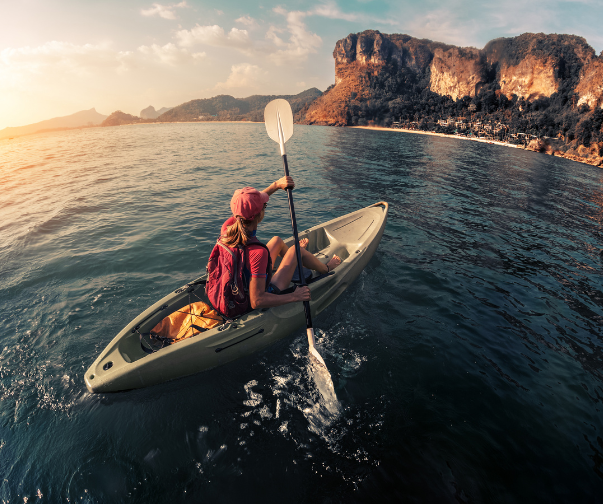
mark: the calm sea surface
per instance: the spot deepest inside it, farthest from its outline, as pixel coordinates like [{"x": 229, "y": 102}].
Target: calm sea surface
[{"x": 467, "y": 357}]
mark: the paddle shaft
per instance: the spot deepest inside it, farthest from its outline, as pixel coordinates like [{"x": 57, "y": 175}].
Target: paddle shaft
[{"x": 300, "y": 267}]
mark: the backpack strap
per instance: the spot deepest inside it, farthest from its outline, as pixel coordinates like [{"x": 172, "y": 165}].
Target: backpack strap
[{"x": 234, "y": 273}]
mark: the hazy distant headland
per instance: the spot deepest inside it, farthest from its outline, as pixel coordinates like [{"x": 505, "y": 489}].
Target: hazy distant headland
[
  {"x": 539, "y": 87},
  {"x": 79, "y": 119},
  {"x": 218, "y": 108},
  {"x": 222, "y": 108}
]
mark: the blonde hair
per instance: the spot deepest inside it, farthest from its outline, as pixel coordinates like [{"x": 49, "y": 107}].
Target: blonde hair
[{"x": 238, "y": 233}]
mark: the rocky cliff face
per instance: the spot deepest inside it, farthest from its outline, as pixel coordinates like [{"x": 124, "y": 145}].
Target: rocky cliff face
[
  {"x": 531, "y": 79},
  {"x": 457, "y": 72},
  {"x": 528, "y": 67},
  {"x": 590, "y": 87},
  {"x": 535, "y": 65}
]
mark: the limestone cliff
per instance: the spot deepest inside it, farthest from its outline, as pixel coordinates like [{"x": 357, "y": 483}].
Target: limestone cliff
[
  {"x": 358, "y": 59},
  {"x": 457, "y": 72},
  {"x": 532, "y": 78},
  {"x": 590, "y": 87},
  {"x": 370, "y": 65},
  {"x": 533, "y": 66}
]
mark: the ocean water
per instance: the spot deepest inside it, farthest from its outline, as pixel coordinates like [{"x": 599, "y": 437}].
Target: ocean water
[{"x": 466, "y": 358}]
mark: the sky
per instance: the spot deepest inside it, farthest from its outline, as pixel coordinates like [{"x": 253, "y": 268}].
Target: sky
[{"x": 58, "y": 57}]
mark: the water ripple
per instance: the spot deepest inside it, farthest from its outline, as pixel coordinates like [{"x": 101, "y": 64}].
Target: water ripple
[{"x": 466, "y": 360}]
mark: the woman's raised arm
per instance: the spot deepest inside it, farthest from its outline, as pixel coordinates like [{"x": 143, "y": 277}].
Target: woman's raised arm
[{"x": 282, "y": 183}]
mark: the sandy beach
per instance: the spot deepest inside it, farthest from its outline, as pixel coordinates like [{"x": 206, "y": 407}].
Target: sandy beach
[{"x": 443, "y": 135}]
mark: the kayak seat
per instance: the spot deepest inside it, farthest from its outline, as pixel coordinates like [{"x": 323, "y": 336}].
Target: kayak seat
[{"x": 308, "y": 282}]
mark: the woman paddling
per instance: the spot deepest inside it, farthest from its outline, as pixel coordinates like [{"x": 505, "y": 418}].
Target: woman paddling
[{"x": 238, "y": 232}]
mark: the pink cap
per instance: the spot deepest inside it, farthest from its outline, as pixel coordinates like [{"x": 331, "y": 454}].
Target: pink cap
[{"x": 248, "y": 202}]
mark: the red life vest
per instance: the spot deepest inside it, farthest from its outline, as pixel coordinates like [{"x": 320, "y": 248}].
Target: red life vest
[{"x": 227, "y": 287}]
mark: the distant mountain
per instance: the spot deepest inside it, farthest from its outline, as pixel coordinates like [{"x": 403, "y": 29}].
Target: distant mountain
[
  {"x": 228, "y": 108},
  {"x": 151, "y": 113},
  {"x": 84, "y": 118},
  {"x": 118, "y": 118}
]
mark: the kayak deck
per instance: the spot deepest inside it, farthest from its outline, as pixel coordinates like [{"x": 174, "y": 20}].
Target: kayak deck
[{"x": 124, "y": 364}]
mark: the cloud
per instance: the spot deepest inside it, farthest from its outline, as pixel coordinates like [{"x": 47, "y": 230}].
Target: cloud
[
  {"x": 332, "y": 11},
  {"x": 164, "y": 11},
  {"x": 244, "y": 75},
  {"x": 170, "y": 54},
  {"x": 62, "y": 57},
  {"x": 247, "y": 21},
  {"x": 214, "y": 36},
  {"x": 301, "y": 41},
  {"x": 445, "y": 26},
  {"x": 273, "y": 35}
]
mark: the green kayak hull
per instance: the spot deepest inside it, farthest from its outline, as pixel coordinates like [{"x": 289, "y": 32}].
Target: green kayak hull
[{"x": 124, "y": 365}]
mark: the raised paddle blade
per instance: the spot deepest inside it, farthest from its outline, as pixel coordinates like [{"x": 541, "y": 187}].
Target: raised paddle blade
[{"x": 279, "y": 111}]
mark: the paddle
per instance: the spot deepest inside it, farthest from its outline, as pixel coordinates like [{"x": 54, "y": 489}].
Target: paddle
[{"x": 279, "y": 125}]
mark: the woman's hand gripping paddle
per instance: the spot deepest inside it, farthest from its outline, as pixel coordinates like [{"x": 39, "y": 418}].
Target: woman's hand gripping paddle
[{"x": 279, "y": 125}]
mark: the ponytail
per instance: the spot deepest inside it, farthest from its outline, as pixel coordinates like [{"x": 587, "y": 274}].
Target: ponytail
[{"x": 238, "y": 233}]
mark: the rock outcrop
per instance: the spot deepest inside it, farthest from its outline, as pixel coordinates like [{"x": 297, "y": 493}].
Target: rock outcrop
[
  {"x": 590, "y": 87},
  {"x": 457, "y": 72}
]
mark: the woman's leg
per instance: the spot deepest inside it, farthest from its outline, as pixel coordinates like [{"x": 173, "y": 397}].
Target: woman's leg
[
  {"x": 286, "y": 270},
  {"x": 284, "y": 274},
  {"x": 277, "y": 247}
]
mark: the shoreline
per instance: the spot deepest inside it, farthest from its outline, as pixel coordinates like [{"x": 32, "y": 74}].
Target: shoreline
[
  {"x": 579, "y": 159},
  {"x": 443, "y": 135}
]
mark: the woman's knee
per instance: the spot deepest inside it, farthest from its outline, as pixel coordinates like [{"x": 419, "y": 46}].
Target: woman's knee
[
  {"x": 290, "y": 257},
  {"x": 275, "y": 243}
]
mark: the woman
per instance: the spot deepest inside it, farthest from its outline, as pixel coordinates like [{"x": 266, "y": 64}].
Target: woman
[{"x": 248, "y": 206}]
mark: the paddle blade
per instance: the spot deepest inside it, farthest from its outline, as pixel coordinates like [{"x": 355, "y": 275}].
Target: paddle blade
[
  {"x": 279, "y": 109},
  {"x": 312, "y": 348}
]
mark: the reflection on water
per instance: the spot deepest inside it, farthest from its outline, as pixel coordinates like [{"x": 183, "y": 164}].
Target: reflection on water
[{"x": 465, "y": 363}]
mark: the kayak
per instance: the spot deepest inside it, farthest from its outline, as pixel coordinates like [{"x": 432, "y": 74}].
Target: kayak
[{"x": 126, "y": 363}]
